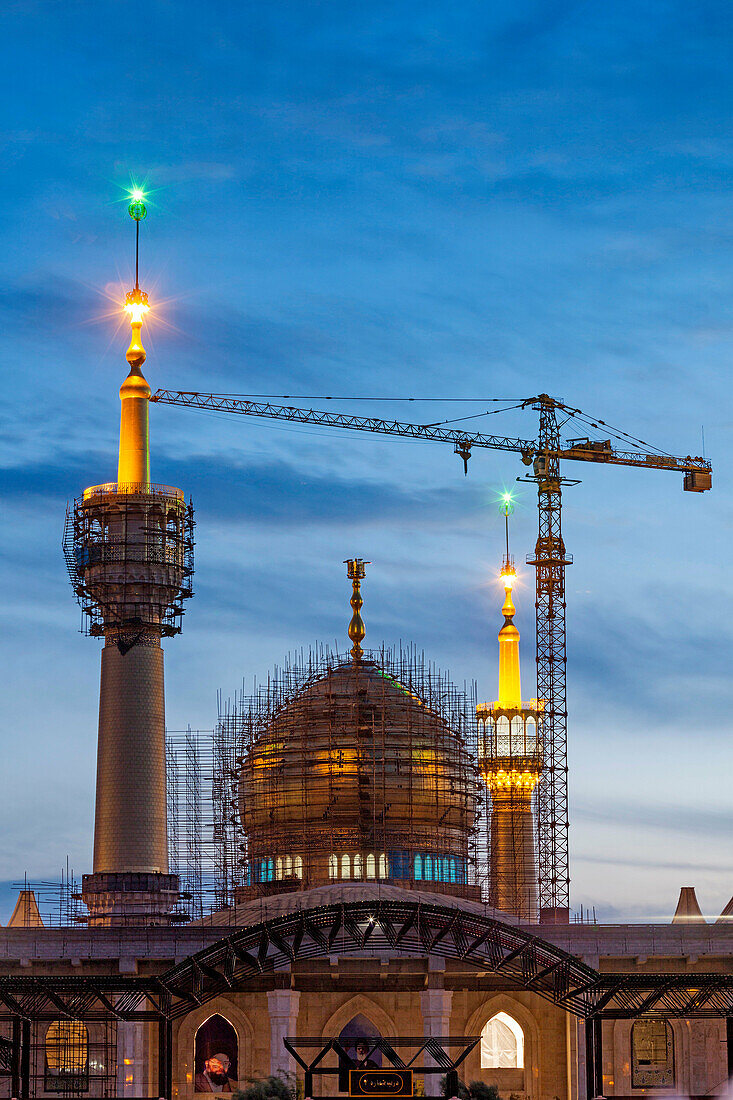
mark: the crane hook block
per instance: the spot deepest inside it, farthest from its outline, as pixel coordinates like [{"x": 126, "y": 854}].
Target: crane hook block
[{"x": 463, "y": 448}]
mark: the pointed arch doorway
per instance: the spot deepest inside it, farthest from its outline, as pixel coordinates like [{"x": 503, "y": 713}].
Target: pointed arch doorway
[{"x": 356, "y": 1038}]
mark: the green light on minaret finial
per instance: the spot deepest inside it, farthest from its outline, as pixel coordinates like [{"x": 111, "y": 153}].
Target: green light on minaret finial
[
  {"x": 137, "y": 211},
  {"x": 137, "y": 208}
]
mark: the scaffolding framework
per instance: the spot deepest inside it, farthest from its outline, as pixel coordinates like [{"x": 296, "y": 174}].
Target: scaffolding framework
[{"x": 201, "y": 834}]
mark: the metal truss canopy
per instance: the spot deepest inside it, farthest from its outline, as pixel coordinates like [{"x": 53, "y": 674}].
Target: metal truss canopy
[
  {"x": 426, "y": 1056},
  {"x": 80, "y": 998},
  {"x": 387, "y": 927},
  {"x": 442, "y": 1053}
]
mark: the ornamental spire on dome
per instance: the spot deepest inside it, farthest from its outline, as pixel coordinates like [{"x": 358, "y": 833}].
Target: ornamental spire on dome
[
  {"x": 356, "y": 571},
  {"x": 133, "y": 468}
]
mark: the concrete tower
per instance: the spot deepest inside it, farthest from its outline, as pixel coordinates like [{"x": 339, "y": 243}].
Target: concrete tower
[
  {"x": 129, "y": 549},
  {"x": 510, "y": 758}
]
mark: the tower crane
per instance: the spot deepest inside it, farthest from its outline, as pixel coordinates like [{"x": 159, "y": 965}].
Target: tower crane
[{"x": 550, "y": 559}]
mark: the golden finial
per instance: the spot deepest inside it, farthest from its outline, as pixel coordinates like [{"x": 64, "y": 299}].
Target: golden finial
[
  {"x": 136, "y": 306},
  {"x": 355, "y": 570},
  {"x": 133, "y": 467},
  {"x": 136, "y": 300}
]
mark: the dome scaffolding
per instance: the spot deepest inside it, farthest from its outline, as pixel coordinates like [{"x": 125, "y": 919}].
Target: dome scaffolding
[{"x": 354, "y": 770}]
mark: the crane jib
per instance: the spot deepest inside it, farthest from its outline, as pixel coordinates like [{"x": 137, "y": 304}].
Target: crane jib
[{"x": 699, "y": 469}]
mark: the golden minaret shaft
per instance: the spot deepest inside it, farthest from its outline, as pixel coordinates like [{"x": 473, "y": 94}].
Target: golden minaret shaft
[
  {"x": 131, "y": 558},
  {"x": 510, "y": 687},
  {"x": 510, "y": 756},
  {"x": 133, "y": 466}
]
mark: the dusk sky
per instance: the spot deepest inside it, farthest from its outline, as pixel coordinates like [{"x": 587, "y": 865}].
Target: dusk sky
[{"x": 392, "y": 200}]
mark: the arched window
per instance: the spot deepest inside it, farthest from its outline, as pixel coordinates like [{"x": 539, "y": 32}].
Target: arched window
[
  {"x": 371, "y": 866},
  {"x": 358, "y": 870},
  {"x": 652, "y": 1055},
  {"x": 383, "y": 865},
  {"x": 502, "y": 735},
  {"x": 288, "y": 866},
  {"x": 531, "y": 735},
  {"x": 429, "y": 868},
  {"x": 418, "y": 868},
  {"x": 345, "y": 866},
  {"x": 485, "y": 737},
  {"x": 502, "y": 1043},
  {"x": 67, "y": 1056},
  {"x": 333, "y": 866},
  {"x": 278, "y": 867},
  {"x": 216, "y": 1053},
  {"x": 270, "y": 870},
  {"x": 299, "y": 867}
]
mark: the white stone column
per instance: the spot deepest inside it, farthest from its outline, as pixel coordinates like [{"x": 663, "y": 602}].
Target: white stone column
[
  {"x": 436, "y": 1006},
  {"x": 282, "y": 1004}
]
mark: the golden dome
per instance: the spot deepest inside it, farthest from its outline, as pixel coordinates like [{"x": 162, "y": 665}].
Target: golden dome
[{"x": 356, "y": 777}]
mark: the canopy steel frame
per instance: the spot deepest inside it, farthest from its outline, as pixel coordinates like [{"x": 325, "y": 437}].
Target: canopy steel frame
[
  {"x": 384, "y": 927},
  {"x": 435, "y": 1047}
]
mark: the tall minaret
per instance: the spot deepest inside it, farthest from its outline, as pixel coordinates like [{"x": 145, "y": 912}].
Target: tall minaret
[
  {"x": 510, "y": 757},
  {"x": 129, "y": 548}
]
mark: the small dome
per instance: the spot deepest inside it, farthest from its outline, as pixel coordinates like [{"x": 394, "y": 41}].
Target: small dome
[{"x": 356, "y": 777}]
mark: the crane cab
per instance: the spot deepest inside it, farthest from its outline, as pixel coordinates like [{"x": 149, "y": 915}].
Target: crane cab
[{"x": 593, "y": 448}]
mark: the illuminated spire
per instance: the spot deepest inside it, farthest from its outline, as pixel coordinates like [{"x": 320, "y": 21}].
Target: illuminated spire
[
  {"x": 510, "y": 688},
  {"x": 133, "y": 468},
  {"x": 355, "y": 570}
]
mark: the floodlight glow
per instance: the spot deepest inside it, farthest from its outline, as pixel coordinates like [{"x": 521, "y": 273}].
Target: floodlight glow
[
  {"x": 136, "y": 306},
  {"x": 137, "y": 311}
]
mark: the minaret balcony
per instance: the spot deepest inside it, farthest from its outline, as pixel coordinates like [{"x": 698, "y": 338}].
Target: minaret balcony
[
  {"x": 495, "y": 710},
  {"x": 140, "y": 488},
  {"x": 511, "y": 776}
]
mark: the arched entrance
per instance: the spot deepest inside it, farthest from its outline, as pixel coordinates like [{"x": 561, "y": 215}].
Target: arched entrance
[{"x": 216, "y": 1056}]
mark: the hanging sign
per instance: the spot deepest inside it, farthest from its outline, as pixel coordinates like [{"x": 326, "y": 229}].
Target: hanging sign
[{"x": 380, "y": 1082}]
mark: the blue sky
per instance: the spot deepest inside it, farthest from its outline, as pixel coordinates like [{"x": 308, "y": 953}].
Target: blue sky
[{"x": 385, "y": 200}]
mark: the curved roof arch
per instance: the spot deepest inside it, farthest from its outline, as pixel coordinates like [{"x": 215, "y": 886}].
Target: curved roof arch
[{"x": 385, "y": 926}]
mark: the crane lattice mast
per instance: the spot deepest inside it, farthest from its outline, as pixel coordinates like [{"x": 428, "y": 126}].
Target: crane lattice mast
[{"x": 550, "y": 560}]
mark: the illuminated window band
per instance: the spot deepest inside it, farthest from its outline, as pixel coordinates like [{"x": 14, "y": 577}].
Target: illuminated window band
[
  {"x": 422, "y": 867},
  {"x": 273, "y": 870}
]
